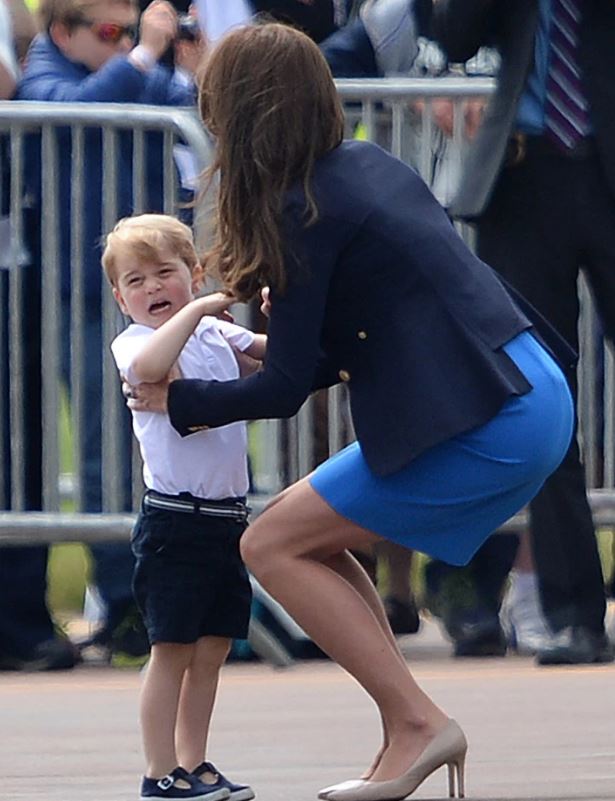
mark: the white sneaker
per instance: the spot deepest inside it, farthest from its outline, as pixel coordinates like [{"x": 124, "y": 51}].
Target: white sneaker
[{"x": 521, "y": 615}]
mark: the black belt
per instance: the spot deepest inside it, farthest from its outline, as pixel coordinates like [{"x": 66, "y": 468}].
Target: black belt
[
  {"x": 521, "y": 145},
  {"x": 231, "y": 508}
]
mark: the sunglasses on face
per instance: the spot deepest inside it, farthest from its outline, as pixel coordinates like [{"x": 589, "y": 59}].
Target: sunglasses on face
[{"x": 110, "y": 32}]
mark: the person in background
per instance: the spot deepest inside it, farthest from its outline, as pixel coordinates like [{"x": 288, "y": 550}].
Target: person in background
[
  {"x": 539, "y": 182},
  {"x": 29, "y": 639},
  {"x": 317, "y": 18},
  {"x": 88, "y": 52}
]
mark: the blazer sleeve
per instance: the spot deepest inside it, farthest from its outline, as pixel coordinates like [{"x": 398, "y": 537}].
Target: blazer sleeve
[{"x": 293, "y": 363}]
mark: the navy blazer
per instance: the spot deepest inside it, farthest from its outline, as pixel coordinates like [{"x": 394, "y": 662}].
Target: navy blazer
[{"x": 405, "y": 314}]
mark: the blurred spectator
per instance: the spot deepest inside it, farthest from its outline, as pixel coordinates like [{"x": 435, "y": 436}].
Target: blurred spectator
[
  {"x": 28, "y": 639},
  {"x": 24, "y": 26},
  {"x": 317, "y": 18},
  {"x": 89, "y": 57},
  {"x": 539, "y": 181}
]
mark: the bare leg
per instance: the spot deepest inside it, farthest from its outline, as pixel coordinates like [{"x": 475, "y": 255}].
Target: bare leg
[
  {"x": 196, "y": 702},
  {"x": 350, "y": 569},
  {"x": 159, "y": 702},
  {"x": 287, "y": 549}
]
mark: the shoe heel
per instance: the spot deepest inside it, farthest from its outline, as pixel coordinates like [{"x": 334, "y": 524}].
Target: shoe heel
[{"x": 457, "y": 767}]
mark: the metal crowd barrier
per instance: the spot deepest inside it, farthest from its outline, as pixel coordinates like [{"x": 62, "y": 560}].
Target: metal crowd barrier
[{"x": 394, "y": 112}]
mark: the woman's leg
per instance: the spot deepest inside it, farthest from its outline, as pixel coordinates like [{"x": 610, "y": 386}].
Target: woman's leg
[
  {"x": 159, "y": 703},
  {"x": 350, "y": 569},
  {"x": 196, "y": 703},
  {"x": 287, "y": 548}
]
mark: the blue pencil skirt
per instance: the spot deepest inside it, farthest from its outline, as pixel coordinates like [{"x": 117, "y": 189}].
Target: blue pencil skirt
[{"x": 448, "y": 500}]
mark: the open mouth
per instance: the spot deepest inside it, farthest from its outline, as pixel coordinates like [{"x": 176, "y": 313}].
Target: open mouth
[{"x": 159, "y": 306}]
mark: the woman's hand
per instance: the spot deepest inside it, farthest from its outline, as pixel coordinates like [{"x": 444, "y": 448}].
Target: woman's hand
[
  {"x": 150, "y": 397},
  {"x": 216, "y": 305},
  {"x": 266, "y": 302}
]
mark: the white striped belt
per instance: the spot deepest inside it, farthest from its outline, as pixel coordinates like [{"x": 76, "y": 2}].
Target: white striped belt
[{"x": 235, "y": 509}]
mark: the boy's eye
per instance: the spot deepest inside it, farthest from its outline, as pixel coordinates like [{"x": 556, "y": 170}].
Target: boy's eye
[
  {"x": 165, "y": 271},
  {"x": 134, "y": 281}
]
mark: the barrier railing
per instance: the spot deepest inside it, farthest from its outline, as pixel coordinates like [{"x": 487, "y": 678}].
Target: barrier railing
[{"x": 394, "y": 112}]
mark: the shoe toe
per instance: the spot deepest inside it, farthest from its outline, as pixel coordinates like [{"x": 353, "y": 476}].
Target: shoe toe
[{"x": 331, "y": 791}]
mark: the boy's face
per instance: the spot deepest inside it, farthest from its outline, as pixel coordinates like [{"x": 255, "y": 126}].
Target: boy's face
[
  {"x": 151, "y": 293},
  {"x": 106, "y": 30}
]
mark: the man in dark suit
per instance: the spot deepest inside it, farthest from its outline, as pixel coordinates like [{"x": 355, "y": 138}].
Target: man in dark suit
[{"x": 540, "y": 183}]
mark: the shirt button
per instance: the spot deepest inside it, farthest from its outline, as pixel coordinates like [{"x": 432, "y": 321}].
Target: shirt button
[
  {"x": 362, "y": 334},
  {"x": 344, "y": 375}
]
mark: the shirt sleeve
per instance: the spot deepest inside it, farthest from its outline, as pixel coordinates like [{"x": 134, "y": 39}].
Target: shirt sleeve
[
  {"x": 126, "y": 346},
  {"x": 293, "y": 341},
  {"x": 236, "y": 335}
]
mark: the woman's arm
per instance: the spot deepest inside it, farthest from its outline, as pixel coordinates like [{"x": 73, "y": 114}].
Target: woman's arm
[
  {"x": 293, "y": 343},
  {"x": 163, "y": 347}
]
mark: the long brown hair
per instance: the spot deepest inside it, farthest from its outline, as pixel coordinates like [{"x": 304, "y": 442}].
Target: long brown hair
[{"x": 268, "y": 97}]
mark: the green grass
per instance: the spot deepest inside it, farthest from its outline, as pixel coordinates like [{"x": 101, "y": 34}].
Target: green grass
[{"x": 69, "y": 563}]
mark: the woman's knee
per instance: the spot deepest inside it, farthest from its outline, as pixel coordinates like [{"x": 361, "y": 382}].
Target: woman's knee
[{"x": 255, "y": 547}]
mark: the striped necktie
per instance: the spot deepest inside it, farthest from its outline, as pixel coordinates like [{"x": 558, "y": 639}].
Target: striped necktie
[{"x": 566, "y": 109}]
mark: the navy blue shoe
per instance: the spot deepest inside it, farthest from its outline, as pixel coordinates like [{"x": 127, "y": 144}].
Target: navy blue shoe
[
  {"x": 209, "y": 774},
  {"x": 195, "y": 791}
]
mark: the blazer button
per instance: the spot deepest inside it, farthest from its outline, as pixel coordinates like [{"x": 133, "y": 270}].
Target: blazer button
[
  {"x": 194, "y": 429},
  {"x": 344, "y": 375},
  {"x": 362, "y": 334}
]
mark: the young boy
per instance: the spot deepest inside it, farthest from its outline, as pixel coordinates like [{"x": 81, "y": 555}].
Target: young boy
[{"x": 189, "y": 581}]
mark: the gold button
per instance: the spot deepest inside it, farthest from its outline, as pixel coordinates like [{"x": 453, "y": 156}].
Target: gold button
[
  {"x": 344, "y": 375},
  {"x": 362, "y": 334},
  {"x": 193, "y": 429}
]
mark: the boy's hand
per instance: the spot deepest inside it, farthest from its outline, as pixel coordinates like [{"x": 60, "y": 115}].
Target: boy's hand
[{"x": 158, "y": 27}]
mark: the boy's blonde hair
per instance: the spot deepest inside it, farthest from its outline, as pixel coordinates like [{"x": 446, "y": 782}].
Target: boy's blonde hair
[
  {"x": 145, "y": 237},
  {"x": 70, "y": 12}
]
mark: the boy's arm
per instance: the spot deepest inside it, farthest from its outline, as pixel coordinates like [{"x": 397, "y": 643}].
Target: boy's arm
[
  {"x": 258, "y": 348},
  {"x": 163, "y": 347}
]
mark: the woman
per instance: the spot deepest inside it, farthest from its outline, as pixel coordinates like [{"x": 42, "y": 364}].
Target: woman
[{"x": 460, "y": 413}]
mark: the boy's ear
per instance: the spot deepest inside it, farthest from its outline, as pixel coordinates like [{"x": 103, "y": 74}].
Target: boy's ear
[
  {"x": 198, "y": 278},
  {"x": 59, "y": 33},
  {"x": 120, "y": 300}
]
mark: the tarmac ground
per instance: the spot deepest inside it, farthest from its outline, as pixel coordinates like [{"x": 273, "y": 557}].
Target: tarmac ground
[{"x": 534, "y": 733}]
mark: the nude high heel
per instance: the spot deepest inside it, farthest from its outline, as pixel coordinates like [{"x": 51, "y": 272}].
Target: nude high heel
[{"x": 447, "y": 748}]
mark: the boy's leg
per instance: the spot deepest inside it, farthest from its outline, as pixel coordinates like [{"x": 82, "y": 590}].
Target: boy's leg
[
  {"x": 198, "y": 694},
  {"x": 160, "y": 696}
]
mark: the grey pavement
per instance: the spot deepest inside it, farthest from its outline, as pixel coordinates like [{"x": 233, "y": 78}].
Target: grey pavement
[{"x": 534, "y": 733}]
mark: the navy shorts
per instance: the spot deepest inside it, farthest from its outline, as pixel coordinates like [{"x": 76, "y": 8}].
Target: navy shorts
[{"x": 189, "y": 580}]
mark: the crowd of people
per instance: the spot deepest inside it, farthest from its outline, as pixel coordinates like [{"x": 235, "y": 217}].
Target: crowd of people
[{"x": 538, "y": 185}]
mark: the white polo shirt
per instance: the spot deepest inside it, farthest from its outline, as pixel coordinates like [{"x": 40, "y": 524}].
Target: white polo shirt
[{"x": 209, "y": 464}]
